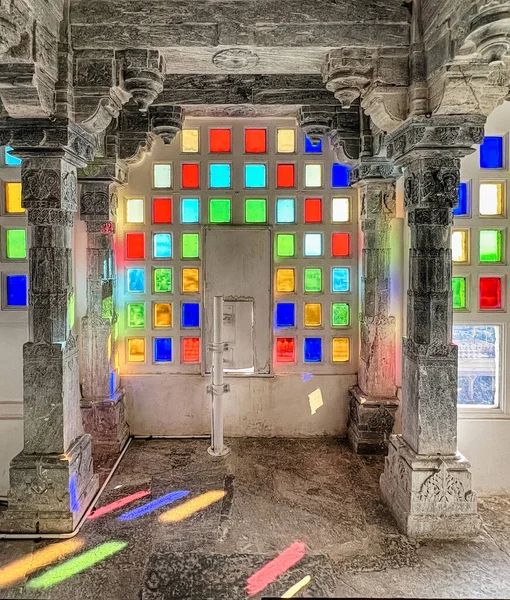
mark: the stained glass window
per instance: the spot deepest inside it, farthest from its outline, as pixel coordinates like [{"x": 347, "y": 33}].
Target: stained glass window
[
  {"x": 135, "y": 246},
  {"x": 462, "y": 208},
  {"x": 339, "y": 314},
  {"x": 190, "y": 245},
  {"x": 285, "y": 244},
  {"x": 491, "y": 153},
  {"x": 136, "y": 350},
  {"x": 255, "y": 210},
  {"x": 313, "y": 350},
  {"x": 13, "y": 198},
  {"x": 313, "y": 210},
  {"x": 189, "y": 140},
  {"x": 162, "y": 210},
  {"x": 162, "y": 280},
  {"x": 136, "y": 280},
  {"x": 285, "y": 281},
  {"x": 162, "y": 314},
  {"x": 163, "y": 350},
  {"x": 340, "y": 244},
  {"x": 285, "y": 210},
  {"x": 134, "y": 210},
  {"x": 162, "y": 176},
  {"x": 17, "y": 289},
  {"x": 313, "y": 244},
  {"x": 313, "y": 175},
  {"x": 190, "y": 210},
  {"x": 162, "y": 245},
  {"x": 285, "y": 350},
  {"x": 340, "y": 175},
  {"x": 459, "y": 246},
  {"x": 285, "y": 140},
  {"x": 255, "y": 141},
  {"x": 190, "y": 176},
  {"x": 340, "y": 210},
  {"x": 219, "y": 175},
  {"x": 340, "y": 279},
  {"x": 285, "y": 314},
  {"x": 285, "y": 176},
  {"x": 219, "y": 210},
  {"x": 255, "y": 175},
  {"x": 459, "y": 292},
  {"x": 190, "y": 314},
  {"x": 312, "y": 147},
  {"x": 219, "y": 140},
  {"x": 313, "y": 314},
  {"x": 190, "y": 350},
  {"x": 490, "y": 293},
  {"x": 490, "y": 245},
  {"x": 491, "y": 199},
  {"x": 340, "y": 349},
  {"x": 313, "y": 280},
  {"x": 16, "y": 244},
  {"x": 136, "y": 314},
  {"x": 190, "y": 281}
]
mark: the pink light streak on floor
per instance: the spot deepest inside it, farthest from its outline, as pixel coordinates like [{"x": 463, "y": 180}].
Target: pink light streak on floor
[
  {"x": 274, "y": 568},
  {"x": 103, "y": 510}
]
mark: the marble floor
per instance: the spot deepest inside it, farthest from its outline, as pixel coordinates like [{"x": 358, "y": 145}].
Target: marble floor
[{"x": 276, "y": 492}]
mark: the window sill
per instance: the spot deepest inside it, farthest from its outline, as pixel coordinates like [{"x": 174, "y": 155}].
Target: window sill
[{"x": 481, "y": 414}]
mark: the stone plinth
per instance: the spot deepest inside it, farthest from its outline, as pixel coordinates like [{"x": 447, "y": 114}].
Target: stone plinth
[{"x": 105, "y": 420}]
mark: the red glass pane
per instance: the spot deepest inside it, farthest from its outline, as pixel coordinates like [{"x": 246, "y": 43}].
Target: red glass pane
[
  {"x": 285, "y": 176},
  {"x": 190, "y": 176},
  {"x": 135, "y": 245},
  {"x": 340, "y": 244},
  {"x": 255, "y": 140},
  {"x": 285, "y": 350},
  {"x": 219, "y": 140},
  {"x": 191, "y": 350},
  {"x": 313, "y": 210},
  {"x": 162, "y": 210},
  {"x": 490, "y": 292}
]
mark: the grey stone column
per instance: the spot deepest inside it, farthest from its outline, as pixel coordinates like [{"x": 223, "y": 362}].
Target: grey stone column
[
  {"x": 51, "y": 480},
  {"x": 426, "y": 482}
]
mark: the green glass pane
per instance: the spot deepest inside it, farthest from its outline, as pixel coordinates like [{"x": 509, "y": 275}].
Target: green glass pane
[
  {"x": 255, "y": 210},
  {"x": 16, "y": 242},
  {"x": 459, "y": 292},
  {"x": 162, "y": 280},
  {"x": 136, "y": 315},
  {"x": 107, "y": 308},
  {"x": 190, "y": 245},
  {"x": 285, "y": 244},
  {"x": 219, "y": 210},
  {"x": 340, "y": 314},
  {"x": 490, "y": 245},
  {"x": 313, "y": 280}
]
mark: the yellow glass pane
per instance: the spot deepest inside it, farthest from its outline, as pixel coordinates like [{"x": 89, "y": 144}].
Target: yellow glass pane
[
  {"x": 313, "y": 315},
  {"x": 13, "y": 198},
  {"x": 459, "y": 246},
  {"x": 136, "y": 350},
  {"x": 491, "y": 199},
  {"x": 190, "y": 280},
  {"x": 162, "y": 315},
  {"x": 340, "y": 349},
  {"x": 189, "y": 140},
  {"x": 285, "y": 281},
  {"x": 286, "y": 140}
]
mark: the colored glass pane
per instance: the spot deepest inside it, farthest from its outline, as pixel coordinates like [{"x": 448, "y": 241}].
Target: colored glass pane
[
  {"x": 339, "y": 175},
  {"x": 9, "y": 159},
  {"x": 340, "y": 244},
  {"x": 136, "y": 314},
  {"x": 285, "y": 314},
  {"x": 462, "y": 207},
  {"x": 13, "y": 198},
  {"x": 219, "y": 175},
  {"x": 340, "y": 210},
  {"x": 136, "y": 350},
  {"x": 162, "y": 245},
  {"x": 190, "y": 350},
  {"x": 459, "y": 292},
  {"x": 254, "y": 176},
  {"x": 163, "y": 350},
  {"x": 340, "y": 279},
  {"x": 190, "y": 281},
  {"x": 190, "y": 175},
  {"x": 162, "y": 176},
  {"x": 189, "y": 140},
  {"x": 285, "y": 281},
  {"x": 340, "y": 349},
  {"x": 313, "y": 350},
  {"x": 190, "y": 210},
  {"x": 285, "y": 210},
  {"x": 459, "y": 246},
  {"x": 490, "y": 245},
  {"x": 190, "y": 314},
  {"x": 162, "y": 314},
  {"x": 255, "y": 141},
  {"x": 313, "y": 175},
  {"x": 135, "y": 245},
  {"x": 255, "y": 210},
  {"x": 313, "y": 244},
  {"x": 136, "y": 280},
  {"x": 491, "y": 153},
  {"x": 162, "y": 280},
  {"x": 313, "y": 210},
  {"x": 285, "y": 244},
  {"x": 219, "y": 210},
  {"x": 312, "y": 147},
  {"x": 285, "y": 140},
  {"x": 339, "y": 314},
  {"x": 313, "y": 315},
  {"x": 285, "y": 176},
  {"x": 491, "y": 199},
  {"x": 16, "y": 288},
  {"x": 285, "y": 350},
  {"x": 490, "y": 293},
  {"x": 219, "y": 140},
  {"x": 162, "y": 210},
  {"x": 15, "y": 243},
  {"x": 134, "y": 210},
  {"x": 313, "y": 280},
  {"x": 190, "y": 245}
]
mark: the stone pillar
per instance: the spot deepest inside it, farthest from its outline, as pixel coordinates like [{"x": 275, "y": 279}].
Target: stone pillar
[
  {"x": 51, "y": 480},
  {"x": 426, "y": 482},
  {"x": 103, "y": 402}
]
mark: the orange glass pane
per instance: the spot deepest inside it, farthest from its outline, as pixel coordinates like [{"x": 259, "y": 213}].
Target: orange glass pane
[
  {"x": 285, "y": 281},
  {"x": 285, "y": 349},
  {"x": 313, "y": 317},
  {"x": 340, "y": 244},
  {"x": 136, "y": 350},
  {"x": 191, "y": 350},
  {"x": 285, "y": 176},
  {"x": 162, "y": 210},
  {"x": 340, "y": 349},
  {"x": 190, "y": 176},
  {"x": 190, "y": 280},
  {"x": 219, "y": 140},
  {"x": 162, "y": 315},
  {"x": 13, "y": 198},
  {"x": 313, "y": 210},
  {"x": 135, "y": 246},
  {"x": 255, "y": 140}
]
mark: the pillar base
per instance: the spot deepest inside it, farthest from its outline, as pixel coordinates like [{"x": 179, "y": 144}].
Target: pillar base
[
  {"x": 49, "y": 493},
  {"x": 430, "y": 496},
  {"x": 371, "y": 422},
  {"x": 105, "y": 421}
]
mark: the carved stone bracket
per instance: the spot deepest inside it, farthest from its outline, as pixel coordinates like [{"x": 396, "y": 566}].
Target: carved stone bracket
[
  {"x": 165, "y": 121},
  {"x": 316, "y": 121},
  {"x": 347, "y": 72},
  {"x": 134, "y": 135},
  {"x": 142, "y": 75},
  {"x": 386, "y": 105},
  {"x": 345, "y": 135}
]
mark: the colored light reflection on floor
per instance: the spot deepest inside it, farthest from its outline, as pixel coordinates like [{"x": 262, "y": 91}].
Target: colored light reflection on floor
[
  {"x": 107, "y": 508},
  {"x": 307, "y": 376},
  {"x": 316, "y": 401},
  {"x": 185, "y": 510},
  {"x": 75, "y": 565},
  {"x": 276, "y": 567},
  {"x": 155, "y": 504},
  {"x": 73, "y": 494},
  {"x": 291, "y": 592},
  {"x": 19, "y": 569}
]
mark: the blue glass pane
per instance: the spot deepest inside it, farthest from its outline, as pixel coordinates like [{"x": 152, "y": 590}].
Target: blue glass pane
[
  {"x": 136, "y": 280},
  {"x": 190, "y": 210},
  {"x": 313, "y": 244},
  {"x": 254, "y": 176},
  {"x": 190, "y": 314},
  {"x": 285, "y": 315},
  {"x": 10, "y": 160},
  {"x": 285, "y": 211},
  {"x": 310, "y": 148},
  {"x": 340, "y": 280},
  {"x": 462, "y": 207},
  {"x": 162, "y": 350},
  {"x": 112, "y": 384},
  {"x": 313, "y": 349},
  {"x": 219, "y": 176},
  {"x": 162, "y": 245},
  {"x": 16, "y": 290},
  {"x": 491, "y": 153},
  {"x": 339, "y": 175}
]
